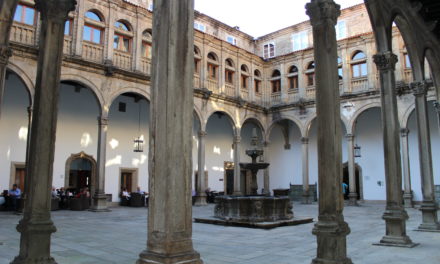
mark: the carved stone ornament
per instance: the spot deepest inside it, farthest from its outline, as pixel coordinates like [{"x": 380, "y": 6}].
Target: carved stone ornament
[
  {"x": 385, "y": 61},
  {"x": 323, "y": 11},
  {"x": 5, "y": 53},
  {"x": 419, "y": 88},
  {"x": 55, "y": 10},
  {"x": 305, "y": 140}
]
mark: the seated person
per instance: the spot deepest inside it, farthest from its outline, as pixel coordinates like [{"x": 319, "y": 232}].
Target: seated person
[
  {"x": 125, "y": 194},
  {"x": 54, "y": 192},
  {"x": 138, "y": 190},
  {"x": 14, "y": 194}
]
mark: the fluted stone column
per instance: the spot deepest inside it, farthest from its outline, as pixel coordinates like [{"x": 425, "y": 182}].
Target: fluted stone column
[
  {"x": 407, "y": 194},
  {"x": 331, "y": 230},
  {"x": 266, "y": 171},
  {"x": 237, "y": 169},
  {"x": 429, "y": 205},
  {"x": 395, "y": 215},
  {"x": 170, "y": 159},
  {"x": 7, "y": 11},
  {"x": 307, "y": 199},
  {"x": 352, "y": 195},
  {"x": 99, "y": 197},
  {"x": 36, "y": 226},
  {"x": 201, "y": 184}
]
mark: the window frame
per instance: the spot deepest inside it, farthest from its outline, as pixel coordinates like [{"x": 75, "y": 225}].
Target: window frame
[
  {"x": 23, "y": 14},
  {"x": 271, "y": 50}
]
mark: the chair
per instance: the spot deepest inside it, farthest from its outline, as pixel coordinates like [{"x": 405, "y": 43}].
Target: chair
[{"x": 137, "y": 200}]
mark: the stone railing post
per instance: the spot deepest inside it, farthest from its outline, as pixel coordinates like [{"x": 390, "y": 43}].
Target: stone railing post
[
  {"x": 352, "y": 195},
  {"x": 36, "y": 226},
  {"x": 331, "y": 230},
  {"x": 201, "y": 184},
  {"x": 407, "y": 194},
  {"x": 237, "y": 169},
  {"x": 307, "y": 198}
]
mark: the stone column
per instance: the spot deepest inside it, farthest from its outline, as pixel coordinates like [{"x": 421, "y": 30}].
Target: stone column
[
  {"x": 331, "y": 230},
  {"x": 266, "y": 171},
  {"x": 99, "y": 197},
  {"x": 407, "y": 194},
  {"x": 237, "y": 170},
  {"x": 395, "y": 215},
  {"x": 351, "y": 171},
  {"x": 201, "y": 184},
  {"x": 307, "y": 198},
  {"x": 170, "y": 159},
  {"x": 36, "y": 226},
  {"x": 7, "y": 11},
  {"x": 429, "y": 205}
]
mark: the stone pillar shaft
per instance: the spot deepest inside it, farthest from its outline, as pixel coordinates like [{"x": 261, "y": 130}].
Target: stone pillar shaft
[
  {"x": 7, "y": 11},
  {"x": 331, "y": 230},
  {"x": 429, "y": 205},
  {"x": 237, "y": 169},
  {"x": 305, "y": 170},
  {"x": 201, "y": 184},
  {"x": 266, "y": 171},
  {"x": 407, "y": 195},
  {"x": 99, "y": 197},
  {"x": 36, "y": 226},
  {"x": 170, "y": 159},
  {"x": 395, "y": 215},
  {"x": 351, "y": 171}
]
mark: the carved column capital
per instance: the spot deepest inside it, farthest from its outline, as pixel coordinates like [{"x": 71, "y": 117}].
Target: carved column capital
[
  {"x": 202, "y": 133},
  {"x": 55, "y": 10},
  {"x": 419, "y": 88},
  {"x": 305, "y": 140},
  {"x": 237, "y": 139},
  {"x": 103, "y": 121},
  {"x": 404, "y": 132},
  {"x": 5, "y": 53},
  {"x": 265, "y": 143},
  {"x": 349, "y": 137},
  {"x": 385, "y": 61},
  {"x": 323, "y": 11}
]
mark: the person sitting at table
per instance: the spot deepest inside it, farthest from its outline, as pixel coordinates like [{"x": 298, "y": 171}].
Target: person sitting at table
[
  {"x": 54, "y": 192},
  {"x": 138, "y": 190},
  {"x": 14, "y": 195},
  {"x": 125, "y": 194}
]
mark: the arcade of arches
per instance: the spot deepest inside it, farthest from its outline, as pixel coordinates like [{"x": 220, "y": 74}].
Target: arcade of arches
[{"x": 109, "y": 112}]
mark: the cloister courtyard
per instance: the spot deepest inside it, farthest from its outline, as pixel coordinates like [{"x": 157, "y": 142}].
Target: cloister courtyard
[{"x": 118, "y": 237}]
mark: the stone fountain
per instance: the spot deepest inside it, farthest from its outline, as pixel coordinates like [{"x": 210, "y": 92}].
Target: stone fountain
[{"x": 251, "y": 209}]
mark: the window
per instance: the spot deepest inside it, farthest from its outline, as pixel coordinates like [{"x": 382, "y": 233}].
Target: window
[
  {"x": 293, "y": 78},
  {"x": 310, "y": 74},
  {"x": 199, "y": 26},
  {"x": 340, "y": 71},
  {"x": 341, "y": 30},
  {"x": 147, "y": 38},
  {"x": 269, "y": 50},
  {"x": 231, "y": 40},
  {"x": 93, "y": 28},
  {"x": 25, "y": 14},
  {"x": 276, "y": 81},
  {"x": 257, "y": 81},
  {"x": 68, "y": 27},
  {"x": 244, "y": 77},
  {"x": 122, "y": 38},
  {"x": 359, "y": 65},
  {"x": 300, "y": 40},
  {"x": 150, "y": 7},
  {"x": 407, "y": 61},
  {"x": 229, "y": 71},
  {"x": 212, "y": 66},
  {"x": 197, "y": 59}
]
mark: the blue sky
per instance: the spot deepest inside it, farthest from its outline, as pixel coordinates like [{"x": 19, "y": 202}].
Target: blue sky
[{"x": 259, "y": 17}]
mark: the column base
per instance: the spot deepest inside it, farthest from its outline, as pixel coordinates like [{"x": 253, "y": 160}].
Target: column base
[
  {"x": 20, "y": 260},
  {"x": 332, "y": 242},
  {"x": 408, "y": 200},
  {"x": 148, "y": 257},
  {"x": 200, "y": 200},
  {"x": 395, "y": 221},
  {"x": 429, "y": 216},
  {"x": 236, "y": 193},
  {"x": 395, "y": 241},
  {"x": 352, "y": 199},
  {"x": 99, "y": 203}
]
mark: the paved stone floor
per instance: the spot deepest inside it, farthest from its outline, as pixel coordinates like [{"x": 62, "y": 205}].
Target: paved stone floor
[{"x": 120, "y": 235}]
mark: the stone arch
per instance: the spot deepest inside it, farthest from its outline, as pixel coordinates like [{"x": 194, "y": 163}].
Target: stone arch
[
  {"x": 98, "y": 12},
  {"x": 198, "y": 115},
  {"x": 362, "y": 109},
  {"x": 309, "y": 123},
  {"x": 407, "y": 114},
  {"x": 227, "y": 114},
  {"x": 356, "y": 51},
  {"x": 434, "y": 63},
  {"x": 126, "y": 22},
  {"x": 81, "y": 155},
  {"x": 256, "y": 121},
  {"x": 289, "y": 118},
  {"x": 25, "y": 78},
  {"x": 113, "y": 96},
  {"x": 88, "y": 84}
]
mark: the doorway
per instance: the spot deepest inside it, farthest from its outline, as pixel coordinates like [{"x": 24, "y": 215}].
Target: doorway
[
  {"x": 80, "y": 173},
  {"x": 18, "y": 174},
  {"x": 128, "y": 178},
  {"x": 358, "y": 179}
]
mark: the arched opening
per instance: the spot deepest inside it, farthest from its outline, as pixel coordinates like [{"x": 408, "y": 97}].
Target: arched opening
[
  {"x": 80, "y": 173},
  {"x": 358, "y": 180}
]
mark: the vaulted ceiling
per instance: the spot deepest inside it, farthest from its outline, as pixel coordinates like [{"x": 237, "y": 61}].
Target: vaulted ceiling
[{"x": 429, "y": 10}]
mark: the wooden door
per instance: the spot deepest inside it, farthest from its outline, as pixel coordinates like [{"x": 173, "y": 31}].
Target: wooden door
[
  {"x": 126, "y": 181},
  {"x": 20, "y": 174}
]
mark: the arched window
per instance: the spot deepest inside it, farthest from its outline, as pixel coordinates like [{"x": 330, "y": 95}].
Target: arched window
[
  {"x": 197, "y": 60},
  {"x": 147, "y": 39},
  {"x": 310, "y": 74},
  {"x": 257, "y": 81},
  {"x": 25, "y": 14},
  {"x": 212, "y": 66},
  {"x": 293, "y": 77},
  {"x": 229, "y": 72},
  {"x": 359, "y": 65},
  {"x": 340, "y": 71},
  {"x": 244, "y": 77},
  {"x": 93, "y": 27},
  {"x": 276, "y": 81},
  {"x": 123, "y": 36}
]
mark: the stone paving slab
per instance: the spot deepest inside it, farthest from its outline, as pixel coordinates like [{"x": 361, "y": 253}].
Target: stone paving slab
[{"x": 120, "y": 235}]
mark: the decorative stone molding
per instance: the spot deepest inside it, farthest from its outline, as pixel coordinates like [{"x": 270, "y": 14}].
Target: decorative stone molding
[
  {"x": 102, "y": 121},
  {"x": 349, "y": 137},
  {"x": 323, "y": 11},
  {"x": 305, "y": 140},
  {"x": 55, "y": 10},
  {"x": 5, "y": 54},
  {"x": 419, "y": 88},
  {"x": 237, "y": 139},
  {"x": 109, "y": 68},
  {"x": 404, "y": 132},
  {"x": 202, "y": 133},
  {"x": 385, "y": 61}
]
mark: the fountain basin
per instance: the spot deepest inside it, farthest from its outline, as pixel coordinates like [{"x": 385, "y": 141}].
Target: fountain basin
[{"x": 253, "y": 209}]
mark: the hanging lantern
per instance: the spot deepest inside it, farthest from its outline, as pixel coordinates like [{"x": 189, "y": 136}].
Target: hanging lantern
[
  {"x": 138, "y": 145},
  {"x": 357, "y": 151}
]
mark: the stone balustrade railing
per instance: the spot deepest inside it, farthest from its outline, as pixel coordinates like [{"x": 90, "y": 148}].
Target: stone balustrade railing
[
  {"x": 197, "y": 81},
  {"x": 67, "y": 46},
  {"x": 146, "y": 65},
  {"x": 230, "y": 90},
  {"x": 122, "y": 60},
  {"x": 359, "y": 85},
  {"x": 213, "y": 85},
  {"x": 22, "y": 33},
  {"x": 92, "y": 52},
  {"x": 245, "y": 94},
  {"x": 275, "y": 98},
  {"x": 293, "y": 95},
  {"x": 310, "y": 92}
]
